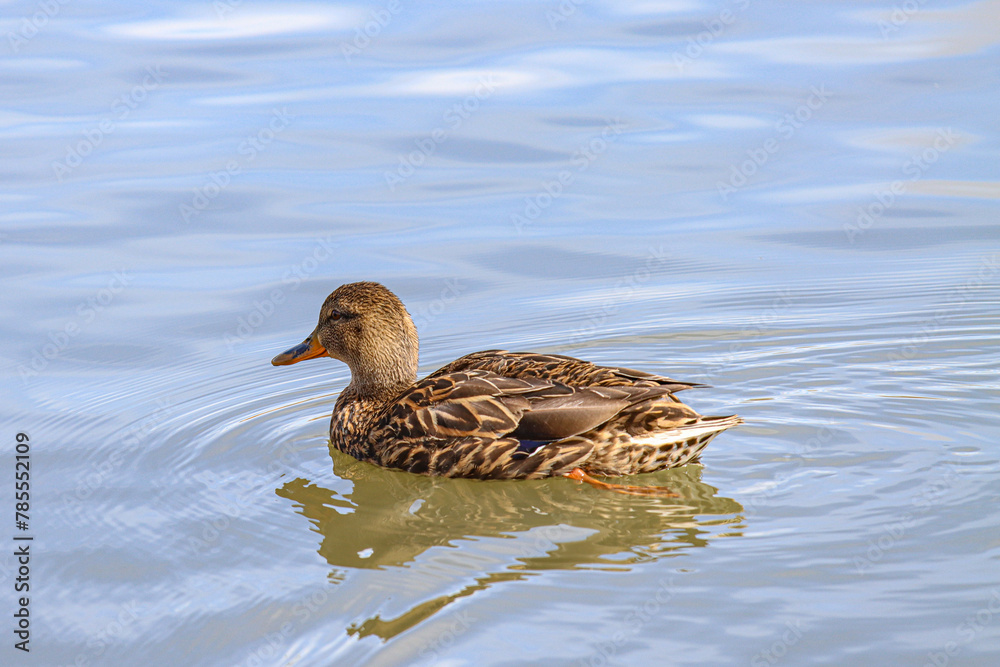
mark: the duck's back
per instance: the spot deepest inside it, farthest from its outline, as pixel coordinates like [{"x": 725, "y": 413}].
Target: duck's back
[{"x": 558, "y": 368}]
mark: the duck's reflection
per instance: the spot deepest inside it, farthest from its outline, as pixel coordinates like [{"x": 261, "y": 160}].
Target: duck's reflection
[{"x": 392, "y": 519}]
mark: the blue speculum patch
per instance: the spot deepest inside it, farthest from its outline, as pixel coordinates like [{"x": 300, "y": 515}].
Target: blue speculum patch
[{"x": 528, "y": 447}]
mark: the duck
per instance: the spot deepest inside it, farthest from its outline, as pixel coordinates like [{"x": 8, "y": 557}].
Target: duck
[{"x": 495, "y": 414}]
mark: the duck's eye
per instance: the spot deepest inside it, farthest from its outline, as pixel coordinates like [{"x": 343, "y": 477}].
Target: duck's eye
[{"x": 336, "y": 315}]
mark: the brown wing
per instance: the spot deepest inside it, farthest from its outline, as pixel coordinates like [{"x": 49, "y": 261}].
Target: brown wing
[
  {"x": 562, "y": 369},
  {"x": 473, "y": 424},
  {"x": 473, "y": 404}
]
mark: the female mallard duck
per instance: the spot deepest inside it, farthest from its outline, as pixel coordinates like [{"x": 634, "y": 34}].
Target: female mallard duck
[{"x": 494, "y": 414}]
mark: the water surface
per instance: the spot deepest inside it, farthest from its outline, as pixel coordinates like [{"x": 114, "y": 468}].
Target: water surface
[{"x": 794, "y": 203}]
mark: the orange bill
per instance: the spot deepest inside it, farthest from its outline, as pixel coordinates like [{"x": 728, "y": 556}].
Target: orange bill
[{"x": 310, "y": 348}]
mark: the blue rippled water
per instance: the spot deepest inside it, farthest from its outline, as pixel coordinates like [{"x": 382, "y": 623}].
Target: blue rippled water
[{"x": 795, "y": 203}]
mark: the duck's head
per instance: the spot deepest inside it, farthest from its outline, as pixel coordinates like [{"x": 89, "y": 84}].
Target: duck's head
[{"x": 367, "y": 327}]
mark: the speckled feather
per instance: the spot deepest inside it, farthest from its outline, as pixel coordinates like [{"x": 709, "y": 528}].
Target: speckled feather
[{"x": 497, "y": 414}]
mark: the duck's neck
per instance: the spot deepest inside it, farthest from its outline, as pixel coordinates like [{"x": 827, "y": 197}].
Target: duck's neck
[
  {"x": 374, "y": 392},
  {"x": 382, "y": 376}
]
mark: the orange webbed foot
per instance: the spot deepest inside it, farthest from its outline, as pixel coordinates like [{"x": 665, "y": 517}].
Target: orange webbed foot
[{"x": 660, "y": 491}]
